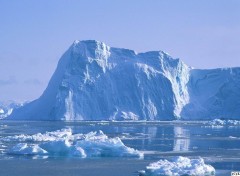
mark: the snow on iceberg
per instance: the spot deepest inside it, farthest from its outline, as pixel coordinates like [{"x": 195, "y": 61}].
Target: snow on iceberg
[
  {"x": 178, "y": 166},
  {"x": 65, "y": 143}
]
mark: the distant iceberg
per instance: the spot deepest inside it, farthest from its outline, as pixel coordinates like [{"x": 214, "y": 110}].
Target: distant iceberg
[
  {"x": 7, "y": 107},
  {"x": 218, "y": 123},
  {"x": 64, "y": 143},
  {"x": 178, "y": 166}
]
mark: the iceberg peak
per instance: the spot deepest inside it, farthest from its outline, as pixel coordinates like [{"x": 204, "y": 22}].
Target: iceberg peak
[
  {"x": 89, "y": 48},
  {"x": 89, "y": 44}
]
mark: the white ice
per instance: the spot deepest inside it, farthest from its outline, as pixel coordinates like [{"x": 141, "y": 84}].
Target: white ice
[
  {"x": 65, "y": 143},
  {"x": 1, "y": 111},
  {"x": 178, "y": 166},
  {"x": 221, "y": 123}
]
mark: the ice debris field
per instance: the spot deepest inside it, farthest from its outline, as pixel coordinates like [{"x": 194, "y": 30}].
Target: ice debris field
[{"x": 65, "y": 143}]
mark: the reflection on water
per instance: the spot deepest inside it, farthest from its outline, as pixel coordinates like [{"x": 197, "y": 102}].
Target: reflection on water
[
  {"x": 152, "y": 133},
  {"x": 181, "y": 139}
]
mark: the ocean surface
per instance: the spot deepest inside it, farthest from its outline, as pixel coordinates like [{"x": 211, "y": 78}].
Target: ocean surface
[{"x": 219, "y": 146}]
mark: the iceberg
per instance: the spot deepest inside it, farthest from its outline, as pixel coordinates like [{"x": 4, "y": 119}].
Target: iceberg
[
  {"x": 7, "y": 107},
  {"x": 65, "y": 143},
  {"x": 94, "y": 81},
  {"x": 178, "y": 166}
]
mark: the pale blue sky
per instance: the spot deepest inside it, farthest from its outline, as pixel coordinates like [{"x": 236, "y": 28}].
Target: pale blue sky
[{"x": 34, "y": 34}]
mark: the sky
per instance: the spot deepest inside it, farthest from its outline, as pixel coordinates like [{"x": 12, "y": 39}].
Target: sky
[{"x": 34, "y": 34}]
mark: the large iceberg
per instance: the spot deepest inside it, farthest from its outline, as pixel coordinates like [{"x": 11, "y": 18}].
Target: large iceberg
[
  {"x": 94, "y": 81},
  {"x": 178, "y": 166},
  {"x": 65, "y": 143}
]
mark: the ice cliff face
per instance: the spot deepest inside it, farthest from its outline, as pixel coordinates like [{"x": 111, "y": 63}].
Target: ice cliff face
[
  {"x": 213, "y": 94},
  {"x": 96, "y": 82}
]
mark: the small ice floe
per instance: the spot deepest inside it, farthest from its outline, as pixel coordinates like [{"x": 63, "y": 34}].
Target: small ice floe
[
  {"x": 1, "y": 111},
  {"x": 3, "y": 126},
  {"x": 103, "y": 123},
  {"x": 178, "y": 166},
  {"x": 218, "y": 123},
  {"x": 232, "y": 137},
  {"x": 128, "y": 136},
  {"x": 3, "y": 146},
  {"x": 64, "y": 143},
  {"x": 233, "y": 122}
]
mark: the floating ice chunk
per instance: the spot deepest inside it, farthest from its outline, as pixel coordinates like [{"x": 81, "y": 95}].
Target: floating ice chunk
[
  {"x": 1, "y": 111},
  {"x": 3, "y": 126},
  {"x": 232, "y": 137},
  {"x": 51, "y": 148},
  {"x": 217, "y": 122},
  {"x": 99, "y": 145},
  {"x": 221, "y": 123},
  {"x": 62, "y": 148},
  {"x": 233, "y": 122},
  {"x": 178, "y": 166},
  {"x": 25, "y": 149},
  {"x": 64, "y": 143}
]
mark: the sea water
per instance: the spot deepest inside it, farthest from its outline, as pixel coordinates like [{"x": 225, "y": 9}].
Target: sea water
[{"x": 219, "y": 146}]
